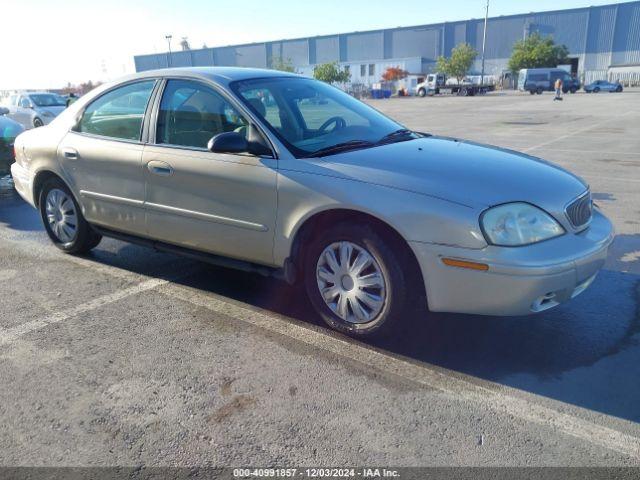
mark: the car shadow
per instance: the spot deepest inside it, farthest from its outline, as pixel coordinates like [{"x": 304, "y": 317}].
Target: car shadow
[
  {"x": 586, "y": 352},
  {"x": 12, "y": 208}
]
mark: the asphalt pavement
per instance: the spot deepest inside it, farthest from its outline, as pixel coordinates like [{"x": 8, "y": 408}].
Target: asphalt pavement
[{"x": 128, "y": 356}]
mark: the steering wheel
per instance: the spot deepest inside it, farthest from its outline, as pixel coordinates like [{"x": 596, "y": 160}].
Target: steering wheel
[{"x": 340, "y": 123}]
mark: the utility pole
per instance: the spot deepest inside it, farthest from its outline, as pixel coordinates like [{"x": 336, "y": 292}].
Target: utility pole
[
  {"x": 168, "y": 38},
  {"x": 484, "y": 41}
]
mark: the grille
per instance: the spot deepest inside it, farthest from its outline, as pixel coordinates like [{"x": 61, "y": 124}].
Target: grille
[{"x": 579, "y": 211}]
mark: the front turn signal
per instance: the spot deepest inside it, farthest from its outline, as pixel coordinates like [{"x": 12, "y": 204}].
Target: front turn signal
[{"x": 452, "y": 262}]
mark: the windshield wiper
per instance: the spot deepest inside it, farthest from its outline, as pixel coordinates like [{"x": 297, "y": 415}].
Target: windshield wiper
[
  {"x": 394, "y": 136},
  {"x": 340, "y": 147}
]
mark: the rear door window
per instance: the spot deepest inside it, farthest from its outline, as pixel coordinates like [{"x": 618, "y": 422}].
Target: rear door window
[{"x": 119, "y": 113}]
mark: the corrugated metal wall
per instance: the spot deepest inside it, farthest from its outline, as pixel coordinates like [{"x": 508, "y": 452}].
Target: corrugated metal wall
[{"x": 598, "y": 36}]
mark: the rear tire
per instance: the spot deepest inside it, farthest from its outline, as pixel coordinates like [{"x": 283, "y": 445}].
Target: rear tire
[
  {"x": 532, "y": 92},
  {"x": 63, "y": 219},
  {"x": 356, "y": 282},
  {"x": 596, "y": 90},
  {"x": 539, "y": 91}
]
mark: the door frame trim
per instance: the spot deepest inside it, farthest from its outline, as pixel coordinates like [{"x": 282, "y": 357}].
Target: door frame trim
[{"x": 111, "y": 198}]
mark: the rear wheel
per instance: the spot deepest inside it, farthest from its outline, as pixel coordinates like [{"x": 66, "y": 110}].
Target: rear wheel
[
  {"x": 573, "y": 89},
  {"x": 539, "y": 90},
  {"x": 532, "y": 92},
  {"x": 619, "y": 88},
  {"x": 596, "y": 90},
  {"x": 356, "y": 282},
  {"x": 63, "y": 219}
]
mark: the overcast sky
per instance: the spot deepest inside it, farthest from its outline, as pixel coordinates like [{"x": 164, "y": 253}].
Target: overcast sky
[{"x": 47, "y": 43}]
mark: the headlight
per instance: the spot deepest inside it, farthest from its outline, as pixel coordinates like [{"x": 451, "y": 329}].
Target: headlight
[{"x": 519, "y": 223}]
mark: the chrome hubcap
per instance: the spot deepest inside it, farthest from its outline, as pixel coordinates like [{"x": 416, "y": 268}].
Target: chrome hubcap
[
  {"x": 351, "y": 282},
  {"x": 61, "y": 215}
]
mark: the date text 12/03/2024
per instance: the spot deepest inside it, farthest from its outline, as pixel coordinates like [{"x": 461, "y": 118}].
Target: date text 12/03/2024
[{"x": 315, "y": 473}]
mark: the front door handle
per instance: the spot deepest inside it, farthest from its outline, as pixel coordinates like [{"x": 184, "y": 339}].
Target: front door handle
[
  {"x": 160, "y": 168},
  {"x": 70, "y": 153}
]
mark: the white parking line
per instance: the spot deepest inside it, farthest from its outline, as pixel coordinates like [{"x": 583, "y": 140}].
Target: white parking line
[
  {"x": 572, "y": 133},
  {"x": 493, "y": 396},
  {"x": 10, "y": 334}
]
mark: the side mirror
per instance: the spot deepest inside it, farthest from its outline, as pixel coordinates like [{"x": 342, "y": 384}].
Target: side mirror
[
  {"x": 228, "y": 142},
  {"x": 234, "y": 142},
  {"x": 4, "y": 111}
]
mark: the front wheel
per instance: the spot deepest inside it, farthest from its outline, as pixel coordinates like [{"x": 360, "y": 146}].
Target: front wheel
[
  {"x": 63, "y": 220},
  {"x": 422, "y": 93},
  {"x": 37, "y": 123},
  {"x": 573, "y": 89},
  {"x": 596, "y": 90},
  {"x": 619, "y": 89},
  {"x": 356, "y": 282}
]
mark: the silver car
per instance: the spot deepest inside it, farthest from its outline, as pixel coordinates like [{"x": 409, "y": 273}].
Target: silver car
[
  {"x": 287, "y": 176},
  {"x": 35, "y": 109}
]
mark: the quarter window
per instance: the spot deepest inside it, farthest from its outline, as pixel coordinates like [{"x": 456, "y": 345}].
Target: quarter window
[
  {"x": 372, "y": 69},
  {"x": 192, "y": 113},
  {"x": 119, "y": 113}
]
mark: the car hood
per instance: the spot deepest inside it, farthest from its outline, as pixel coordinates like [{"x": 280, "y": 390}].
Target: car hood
[
  {"x": 55, "y": 111},
  {"x": 462, "y": 172},
  {"x": 9, "y": 129}
]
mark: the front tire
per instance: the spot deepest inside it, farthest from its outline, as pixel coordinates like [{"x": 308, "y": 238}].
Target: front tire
[
  {"x": 356, "y": 282},
  {"x": 63, "y": 219},
  {"x": 422, "y": 93},
  {"x": 37, "y": 123}
]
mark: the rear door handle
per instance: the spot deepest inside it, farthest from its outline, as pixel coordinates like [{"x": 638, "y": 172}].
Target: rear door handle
[
  {"x": 160, "y": 168},
  {"x": 70, "y": 153}
]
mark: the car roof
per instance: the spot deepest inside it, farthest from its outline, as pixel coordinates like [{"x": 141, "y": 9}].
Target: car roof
[{"x": 221, "y": 75}]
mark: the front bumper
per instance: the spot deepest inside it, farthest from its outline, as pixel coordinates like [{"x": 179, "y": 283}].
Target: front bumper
[{"x": 520, "y": 280}]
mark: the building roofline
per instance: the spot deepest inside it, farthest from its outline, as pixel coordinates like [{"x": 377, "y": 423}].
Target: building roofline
[{"x": 379, "y": 30}]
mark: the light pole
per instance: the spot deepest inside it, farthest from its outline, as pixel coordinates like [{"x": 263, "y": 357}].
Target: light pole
[
  {"x": 484, "y": 41},
  {"x": 168, "y": 38}
]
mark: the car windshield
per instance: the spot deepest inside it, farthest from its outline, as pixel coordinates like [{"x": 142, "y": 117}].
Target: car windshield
[
  {"x": 312, "y": 118},
  {"x": 47, "y": 100}
]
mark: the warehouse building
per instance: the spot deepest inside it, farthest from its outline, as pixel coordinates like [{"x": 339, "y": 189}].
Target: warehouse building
[{"x": 603, "y": 41}]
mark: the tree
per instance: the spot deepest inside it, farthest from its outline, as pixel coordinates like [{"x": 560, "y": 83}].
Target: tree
[
  {"x": 459, "y": 63},
  {"x": 537, "y": 51},
  {"x": 331, "y": 73},
  {"x": 284, "y": 65},
  {"x": 392, "y": 74}
]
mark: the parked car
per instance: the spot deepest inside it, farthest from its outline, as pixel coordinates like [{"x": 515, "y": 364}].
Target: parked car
[
  {"x": 538, "y": 80},
  {"x": 35, "y": 109},
  {"x": 603, "y": 86},
  {"x": 368, "y": 216},
  {"x": 9, "y": 130}
]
